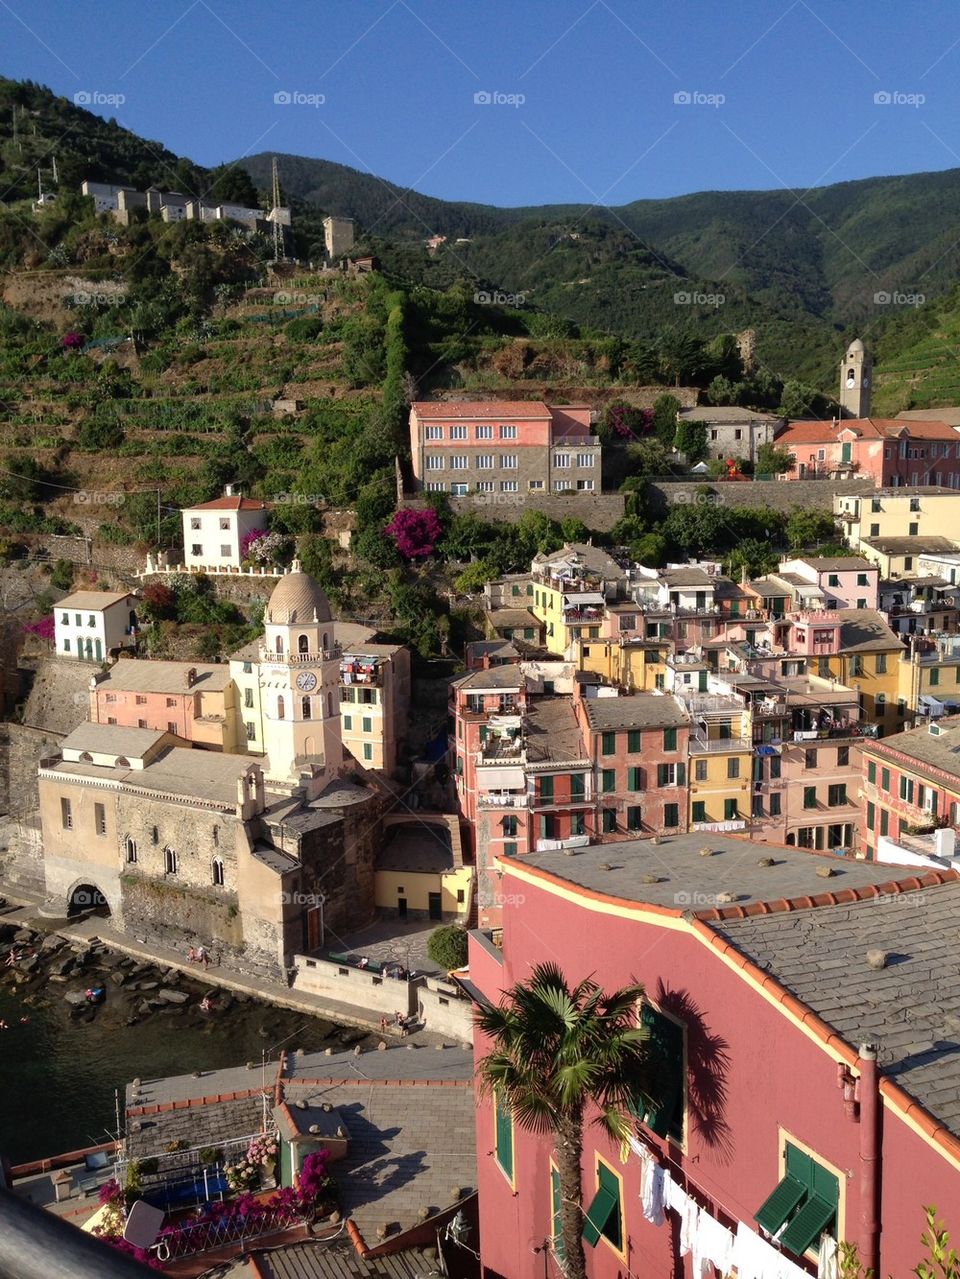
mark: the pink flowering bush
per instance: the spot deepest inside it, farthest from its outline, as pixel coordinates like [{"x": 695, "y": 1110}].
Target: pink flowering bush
[
  {"x": 262, "y": 1148},
  {"x": 73, "y": 341},
  {"x": 43, "y": 629},
  {"x": 415, "y": 533},
  {"x": 248, "y": 540}
]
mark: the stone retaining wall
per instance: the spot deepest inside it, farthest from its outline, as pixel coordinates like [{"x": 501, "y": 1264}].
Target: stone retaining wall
[{"x": 782, "y": 495}]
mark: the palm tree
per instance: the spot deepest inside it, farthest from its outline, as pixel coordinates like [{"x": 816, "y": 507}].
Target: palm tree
[{"x": 555, "y": 1051}]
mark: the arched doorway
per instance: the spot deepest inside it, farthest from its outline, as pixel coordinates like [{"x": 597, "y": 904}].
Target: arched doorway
[{"x": 87, "y": 899}]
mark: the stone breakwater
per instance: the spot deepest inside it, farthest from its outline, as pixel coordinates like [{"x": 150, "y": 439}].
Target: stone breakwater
[{"x": 41, "y": 967}]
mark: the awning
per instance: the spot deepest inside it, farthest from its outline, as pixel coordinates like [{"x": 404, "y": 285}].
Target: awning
[
  {"x": 767, "y": 750},
  {"x": 502, "y": 779},
  {"x": 583, "y": 597}
]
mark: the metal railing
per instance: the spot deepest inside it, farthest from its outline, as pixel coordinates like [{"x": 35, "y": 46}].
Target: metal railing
[{"x": 714, "y": 745}]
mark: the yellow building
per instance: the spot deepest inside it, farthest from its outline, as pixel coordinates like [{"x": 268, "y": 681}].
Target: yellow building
[
  {"x": 930, "y": 674},
  {"x": 420, "y": 870},
  {"x": 869, "y": 662},
  {"x": 721, "y": 763},
  {"x": 374, "y": 702},
  {"x": 899, "y": 513},
  {"x": 637, "y": 665}
]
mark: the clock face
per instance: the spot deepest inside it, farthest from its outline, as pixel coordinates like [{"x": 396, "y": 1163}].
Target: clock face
[{"x": 306, "y": 681}]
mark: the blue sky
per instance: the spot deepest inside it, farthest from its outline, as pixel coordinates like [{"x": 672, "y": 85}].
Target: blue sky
[{"x": 782, "y": 92}]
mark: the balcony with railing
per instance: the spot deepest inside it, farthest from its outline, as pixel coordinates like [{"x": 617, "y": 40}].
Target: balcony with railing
[
  {"x": 299, "y": 659},
  {"x": 502, "y": 799},
  {"x": 573, "y": 799},
  {"x": 361, "y": 671},
  {"x": 718, "y": 745}
]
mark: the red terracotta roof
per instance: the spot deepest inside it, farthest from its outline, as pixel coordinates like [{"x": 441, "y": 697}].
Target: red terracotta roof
[
  {"x": 483, "y": 408},
  {"x": 229, "y": 504},
  {"x": 877, "y": 428}
]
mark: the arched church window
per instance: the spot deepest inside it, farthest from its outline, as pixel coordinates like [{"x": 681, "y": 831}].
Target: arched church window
[
  {"x": 278, "y": 643},
  {"x": 305, "y": 708},
  {"x": 218, "y": 872},
  {"x": 303, "y": 644},
  {"x": 281, "y": 710},
  {"x": 130, "y": 848}
]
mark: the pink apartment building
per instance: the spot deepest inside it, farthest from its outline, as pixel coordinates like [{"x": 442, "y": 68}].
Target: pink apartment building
[
  {"x": 891, "y": 451},
  {"x": 837, "y": 582},
  {"x": 505, "y": 447},
  {"x": 195, "y": 701}
]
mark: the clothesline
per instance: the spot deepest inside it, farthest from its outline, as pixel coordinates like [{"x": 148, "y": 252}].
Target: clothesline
[{"x": 710, "y": 1243}]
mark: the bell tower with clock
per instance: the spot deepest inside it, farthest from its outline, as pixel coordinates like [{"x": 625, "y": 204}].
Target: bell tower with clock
[
  {"x": 299, "y": 684},
  {"x": 856, "y": 381}
]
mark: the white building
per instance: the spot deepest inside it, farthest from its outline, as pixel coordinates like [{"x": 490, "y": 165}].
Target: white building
[
  {"x": 213, "y": 531},
  {"x": 89, "y": 624}
]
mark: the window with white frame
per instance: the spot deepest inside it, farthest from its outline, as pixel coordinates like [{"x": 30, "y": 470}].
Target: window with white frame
[
  {"x": 508, "y": 432},
  {"x": 508, "y": 461},
  {"x": 434, "y": 462},
  {"x": 534, "y": 484},
  {"x": 509, "y": 486},
  {"x": 561, "y": 460},
  {"x": 460, "y": 462},
  {"x": 585, "y": 486},
  {"x": 436, "y": 486},
  {"x": 562, "y": 486},
  {"x": 458, "y": 432},
  {"x": 195, "y": 521},
  {"x": 485, "y": 432},
  {"x": 434, "y": 433},
  {"x": 484, "y": 461},
  {"x": 484, "y": 486},
  {"x": 586, "y": 459}
]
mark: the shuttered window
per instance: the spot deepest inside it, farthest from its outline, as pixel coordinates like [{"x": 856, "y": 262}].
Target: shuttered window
[
  {"x": 604, "y": 1217},
  {"x": 663, "y": 1110},
  {"x": 503, "y": 1141},
  {"x": 806, "y": 1202}
]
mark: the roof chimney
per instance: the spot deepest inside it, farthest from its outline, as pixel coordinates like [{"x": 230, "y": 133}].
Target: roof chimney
[{"x": 191, "y": 677}]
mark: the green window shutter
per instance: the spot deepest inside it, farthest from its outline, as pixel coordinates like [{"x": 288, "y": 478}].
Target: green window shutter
[
  {"x": 483, "y": 731},
  {"x": 634, "y": 818},
  {"x": 809, "y": 796},
  {"x": 933, "y": 803},
  {"x": 885, "y": 779},
  {"x": 577, "y": 785},
  {"x": 775, "y": 1210},
  {"x": 633, "y": 739},
  {"x": 699, "y": 811},
  {"x": 671, "y": 815},
  {"x": 504, "y": 1137},
  {"x": 634, "y": 779},
  {"x": 609, "y": 820},
  {"x": 884, "y": 821},
  {"x": 681, "y": 774},
  {"x": 669, "y": 739},
  {"x": 597, "y": 1218},
  {"x": 871, "y": 816},
  {"x": 729, "y": 810},
  {"x": 934, "y": 678},
  {"x": 546, "y": 788},
  {"x": 556, "y": 1201},
  {"x": 872, "y": 772},
  {"x": 703, "y": 682},
  {"x": 662, "y": 774},
  {"x": 608, "y": 744},
  {"x": 663, "y": 1113},
  {"x": 608, "y": 780},
  {"x": 808, "y": 1225}
]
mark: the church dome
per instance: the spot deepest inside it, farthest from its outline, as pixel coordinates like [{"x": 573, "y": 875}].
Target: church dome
[
  {"x": 855, "y": 346},
  {"x": 297, "y": 598}
]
